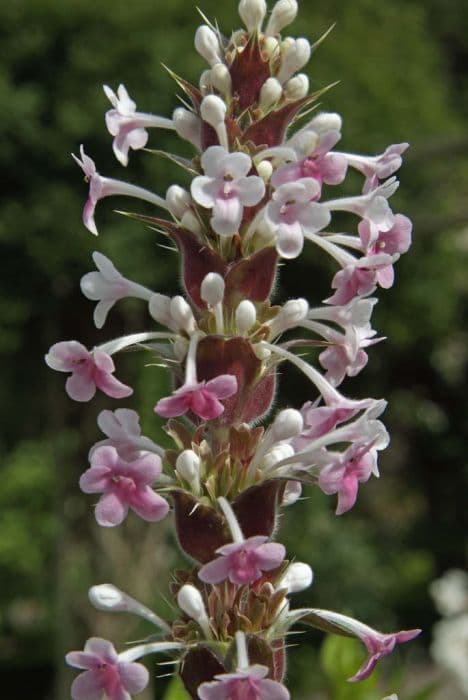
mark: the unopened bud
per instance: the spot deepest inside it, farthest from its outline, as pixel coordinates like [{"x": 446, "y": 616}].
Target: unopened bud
[
  {"x": 191, "y": 222},
  {"x": 325, "y": 122},
  {"x": 221, "y": 79},
  {"x": 270, "y": 47},
  {"x": 292, "y": 492},
  {"x": 188, "y": 466},
  {"x": 287, "y": 424},
  {"x": 294, "y": 58},
  {"x": 283, "y": 13},
  {"x": 265, "y": 170},
  {"x": 275, "y": 455},
  {"x": 293, "y": 311},
  {"x": 296, "y": 88},
  {"x": 160, "y": 309},
  {"x": 246, "y": 315},
  {"x": 270, "y": 93},
  {"x": 213, "y": 110},
  {"x": 187, "y": 126},
  {"x": 108, "y": 598},
  {"x": 182, "y": 314},
  {"x": 298, "y": 577},
  {"x": 212, "y": 289},
  {"x": 189, "y": 600},
  {"x": 262, "y": 352},
  {"x": 178, "y": 200},
  {"x": 207, "y": 45},
  {"x": 205, "y": 81},
  {"x": 252, "y": 13}
]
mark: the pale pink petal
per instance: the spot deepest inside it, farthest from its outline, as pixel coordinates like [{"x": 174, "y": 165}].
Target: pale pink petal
[
  {"x": 88, "y": 216},
  {"x": 227, "y": 216},
  {"x": 205, "y": 405},
  {"x": 270, "y": 555},
  {"x": 103, "y": 362},
  {"x": 347, "y": 494},
  {"x": 222, "y": 386},
  {"x": 87, "y": 686},
  {"x": 148, "y": 504},
  {"x": 81, "y": 659},
  {"x": 95, "y": 480},
  {"x": 250, "y": 190},
  {"x": 65, "y": 356},
  {"x": 213, "y": 159},
  {"x": 134, "y": 677},
  {"x": 290, "y": 240},
  {"x": 215, "y": 571},
  {"x": 214, "y": 690},
  {"x": 386, "y": 276},
  {"x": 175, "y": 405},
  {"x": 101, "y": 648},
  {"x": 110, "y": 511},
  {"x": 80, "y": 387},
  {"x": 203, "y": 191},
  {"x": 145, "y": 470},
  {"x": 111, "y": 386},
  {"x": 272, "y": 690},
  {"x": 365, "y": 670},
  {"x": 333, "y": 168}
]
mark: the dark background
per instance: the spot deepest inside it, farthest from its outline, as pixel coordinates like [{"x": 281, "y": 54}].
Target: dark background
[{"x": 402, "y": 67}]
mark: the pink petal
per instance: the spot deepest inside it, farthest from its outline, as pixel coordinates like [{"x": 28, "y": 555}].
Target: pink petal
[
  {"x": 203, "y": 190},
  {"x": 148, "y": 504},
  {"x": 88, "y": 216},
  {"x": 64, "y": 356},
  {"x": 110, "y": 511},
  {"x": 272, "y": 690},
  {"x": 87, "y": 686},
  {"x": 172, "y": 406},
  {"x": 223, "y": 386},
  {"x": 105, "y": 456},
  {"x": 111, "y": 386},
  {"x": 134, "y": 677},
  {"x": 206, "y": 405},
  {"x": 80, "y": 387},
  {"x": 80, "y": 659},
  {"x": 214, "y": 690},
  {"x": 347, "y": 494},
  {"x": 95, "y": 479},
  {"x": 290, "y": 240},
  {"x": 251, "y": 190},
  {"x": 365, "y": 670},
  {"x": 227, "y": 216},
  {"x": 386, "y": 276},
  {"x": 215, "y": 571},
  {"x": 333, "y": 168},
  {"x": 145, "y": 470},
  {"x": 101, "y": 648},
  {"x": 103, "y": 362},
  {"x": 270, "y": 555}
]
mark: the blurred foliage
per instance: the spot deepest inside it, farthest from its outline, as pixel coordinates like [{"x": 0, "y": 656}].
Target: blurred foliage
[{"x": 402, "y": 67}]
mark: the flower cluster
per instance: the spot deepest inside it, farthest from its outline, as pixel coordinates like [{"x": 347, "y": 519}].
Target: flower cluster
[{"x": 260, "y": 190}]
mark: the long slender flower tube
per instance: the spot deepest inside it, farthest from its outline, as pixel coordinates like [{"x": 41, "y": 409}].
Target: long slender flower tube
[
  {"x": 257, "y": 188},
  {"x": 127, "y": 126},
  {"x": 100, "y": 187}
]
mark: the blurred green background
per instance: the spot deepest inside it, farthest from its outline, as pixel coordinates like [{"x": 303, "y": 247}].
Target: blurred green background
[{"x": 402, "y": 67}]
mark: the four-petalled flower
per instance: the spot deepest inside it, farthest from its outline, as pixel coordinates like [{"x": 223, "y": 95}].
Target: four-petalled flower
[{"x": 243, "y": 562}]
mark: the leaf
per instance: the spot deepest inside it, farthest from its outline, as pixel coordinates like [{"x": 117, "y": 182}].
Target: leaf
[
  {"x": 251, "y": 278},
  {"x": 199, "y": 666},
  {"x": 249, "y": 71},
  {"x": 271, "y": 130},
  {"x": 200, "y": 529},
  {"x": 256, "y": 507}
]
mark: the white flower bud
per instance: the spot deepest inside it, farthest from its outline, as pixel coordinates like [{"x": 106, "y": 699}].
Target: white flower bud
[
  {"x": 207, "y": 45},
  {"x": 297, "y": 577},
  {"x": 283, "y": 13},
  {"x": 212, "y": 289},
  {"x": 178, "y": 200},
  {"x": 325, "y": 122},
  {"x": 287, "y": 424},
  {"x": 261, "y": 351},
  {"x": 275, "y": 455},
  {"x": 270, "y": 46},
  {"x": 180, "y": 348},
  {"x": 213, "y": 110},
  {"x": 296, "y": 88},
  {"x": 221, "y": 79},
  {"x": 189, "y": 600},
  {"x": 205, "y": 82},
  {"x": 294, "y": 58},
  {"x": 160, "y": 309},
  {"x": 292, "y": 492},
  {"x": 182, "y": 314},
  {"x": 294, "y": 310},
  {"x": 287, "y": 43},
  {"x": 270, "y": 93},
  {"x": 265, "y": 170},
  {"x": 246, "y": 315},
  {"x": 187, "y": 126},
  {"x": 188, "y": 467},
  {"x": 108, "y": 598},
  {"x": 191, "y": 222},
  {"x": 252, "y": 13}
]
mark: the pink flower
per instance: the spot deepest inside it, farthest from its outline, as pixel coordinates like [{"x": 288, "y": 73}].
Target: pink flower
[
  {"x": 100, "y": 187},
  {"x": 379, "y": 645},
  {"x": 123, "y": 431},
  {"x": 243, "y": 562},
  {"x": 105, "y": 673},
  {"x": 361, "y": 278},
  {"x": 393, "y": 242},
  {"x": 90, "y": 370},
  {"x": 248, "y": 684},
  {"x": 226, "y": 188},
  {"x": 292, "y": 213},
  {"x": 346, "y": 472},
  {"x": 202, "y": 398},
  {"x": 127, "y": 125},
  {"x": 124, "y": 485},
  {"x": 379, "y": 167}
]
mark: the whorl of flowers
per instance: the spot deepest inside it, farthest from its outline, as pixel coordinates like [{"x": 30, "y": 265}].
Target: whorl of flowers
[{"x": 257, "y": 190}]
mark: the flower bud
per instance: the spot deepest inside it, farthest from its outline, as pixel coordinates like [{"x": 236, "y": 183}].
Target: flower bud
[
  {"x": 275, "y": 455},
  {"x": 297, "y": 577},
  {"x": 205, "y": 81},
  {"x": 287, "y": 424},
  {"x": 160, "y": 309},
  {"x": 270, "y": 93},
  {"x": 296, "y": 88},
  {"x": 292, "y": 492},
  {"x": 246, "y": 315},
  {"x": 213, "y": 110},
  {"x": 191, "y": 222},
  {"x": 325, "y": 122},
  {"x": 187, "y": 125},
  {"x": 182, "y": 314},
  {"x": 252, "y": 13},
  {"x": 212, "y": 289},
  {"x": 188, "y": 467},
  {"x": 294, "y": 310},
  {"x": 294, "y": 58},
  {"x": 283, "y": 13},
  {"x": 221, "y": 79},
  {"x": 108, "y": 598},
  {"x": 270, "y": 47},
  {"x": 207, "y": 45},
  {"x": 261, "y": 352},
  {"x": 178, "y": 200},
  {"x": 265, "y": 170},
  {"x": 189, "y": 600}
]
